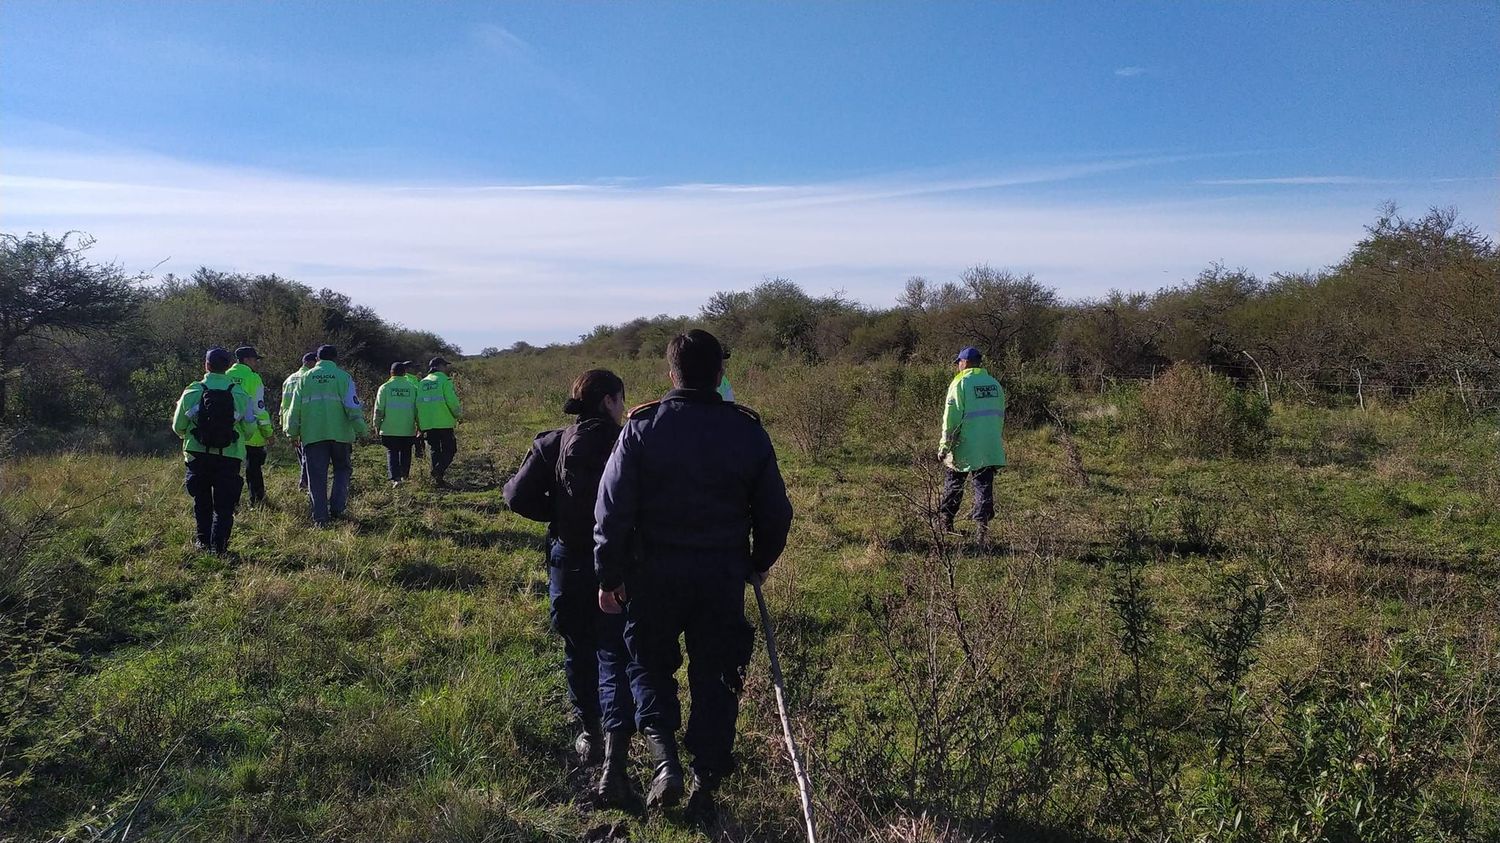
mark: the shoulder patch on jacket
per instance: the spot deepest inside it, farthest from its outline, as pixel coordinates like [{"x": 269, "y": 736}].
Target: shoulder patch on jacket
[
  {"x": 644, "y": 410},
  {"x": 747, "y": 411}
]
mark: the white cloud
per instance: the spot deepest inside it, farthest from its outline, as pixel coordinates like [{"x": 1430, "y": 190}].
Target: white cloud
[
  {"x": 1131, "y": 71},
  {"x": 491, "y": 264}
]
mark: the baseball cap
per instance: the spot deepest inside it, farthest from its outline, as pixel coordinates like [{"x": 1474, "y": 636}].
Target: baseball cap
[
  {"x": 327, "y": 352},
  {"x": 217, "y": 358},
  {"x": 436, "y": 362},
  {"x": 969, "y": 353},
  {"x": 245, "y": 352},
  {"x": 310, "y": 357}
]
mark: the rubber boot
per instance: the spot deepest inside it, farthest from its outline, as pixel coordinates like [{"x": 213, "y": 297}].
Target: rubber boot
[
  {"x": 614, "y": 789},
  {"x": 666, "y": 781},
  {"x": 703, "y": 805},
  {"x": 590, "y": 743}
]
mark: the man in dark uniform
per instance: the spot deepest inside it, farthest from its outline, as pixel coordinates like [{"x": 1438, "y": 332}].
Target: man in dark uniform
[{"x": 691, "y": 506}]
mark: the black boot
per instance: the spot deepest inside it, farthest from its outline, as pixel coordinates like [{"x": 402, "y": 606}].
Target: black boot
[
  {"x": 666, "y": 781},
  {"x": 590, "y": 743},
  {"x": 703, "y": 806},
  {"x": 613, "y": 789}
]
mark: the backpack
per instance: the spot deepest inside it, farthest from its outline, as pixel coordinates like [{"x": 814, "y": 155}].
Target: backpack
[{"x": 215, "y": 426}]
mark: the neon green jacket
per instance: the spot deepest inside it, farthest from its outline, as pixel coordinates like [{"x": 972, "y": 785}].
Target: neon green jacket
[
  {"x": 324, "y": 406},
  {"x": 973, "y": 422},
  {"x": 396, "y": 408},
  {"x": 185, "y": 417},
  {"x": 250, "y": 381},
  {"x": 725, "y": 390},
  {"x": 288, "y": 389},
  {"x": 437, "y": 402}
]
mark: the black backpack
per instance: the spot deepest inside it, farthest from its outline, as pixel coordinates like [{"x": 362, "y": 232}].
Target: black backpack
[{"x": 215, "y": 428}]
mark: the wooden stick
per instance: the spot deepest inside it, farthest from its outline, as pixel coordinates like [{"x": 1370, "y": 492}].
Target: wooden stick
[{"x": 804, "y": 784}]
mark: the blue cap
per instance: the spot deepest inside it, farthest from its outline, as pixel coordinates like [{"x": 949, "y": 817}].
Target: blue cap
[
  {"x": 310, "y": 358},
  {"x": 217, "y": 359},
  {"x": 245, "y": 352},
  {"x": 969, "y": 353}
]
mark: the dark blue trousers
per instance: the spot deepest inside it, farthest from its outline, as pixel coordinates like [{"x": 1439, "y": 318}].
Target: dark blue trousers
[
  {"x": 213, "y": 481},
  {"x": 984, "y": 493},
  {"x": 398, "y": 456},
  {"x": 595, "y": 660},
  {"x": 698, "y": 596},
  {"x": 320, "y": 456}
]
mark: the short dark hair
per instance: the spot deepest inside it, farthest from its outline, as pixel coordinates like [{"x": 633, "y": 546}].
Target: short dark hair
[
  {"x": 327, "y": 352},
  {"x": 696, "y": 358}
]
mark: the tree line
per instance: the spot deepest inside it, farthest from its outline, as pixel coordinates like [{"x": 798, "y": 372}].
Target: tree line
[
  {"x": 1414, "y": 305},
  {"x": 93, "y": 355}
]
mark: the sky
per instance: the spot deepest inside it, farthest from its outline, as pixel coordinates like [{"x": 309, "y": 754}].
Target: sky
[{"x": 525, "y": 171}]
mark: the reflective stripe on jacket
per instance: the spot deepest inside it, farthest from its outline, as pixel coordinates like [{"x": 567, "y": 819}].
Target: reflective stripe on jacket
[
  {"x": 396, "y": 408},
  {"x": 974, "y": 422},
  {"x": 437, "y": 403},
  {"x": 325, "y": 407},
  {"x": 185, "y": 417},
  {"x": 254, "y": 387}
]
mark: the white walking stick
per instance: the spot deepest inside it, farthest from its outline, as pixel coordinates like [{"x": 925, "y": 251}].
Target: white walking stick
[{"x": 804, "y": 784}]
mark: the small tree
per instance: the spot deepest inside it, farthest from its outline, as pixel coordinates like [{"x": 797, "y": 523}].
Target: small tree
[{"x": 47, "y": 285}]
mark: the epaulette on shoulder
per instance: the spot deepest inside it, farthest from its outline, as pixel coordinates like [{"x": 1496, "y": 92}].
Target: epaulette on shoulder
[
  {"x": 643, "y": 410},
  {"x": 747, "y": 411}
]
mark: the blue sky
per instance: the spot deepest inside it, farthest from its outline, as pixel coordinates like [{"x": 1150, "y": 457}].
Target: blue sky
[{"x": 525, "y": 171}]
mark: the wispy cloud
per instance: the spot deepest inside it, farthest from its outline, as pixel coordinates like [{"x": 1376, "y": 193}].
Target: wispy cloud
[
  {"x": 543, "y": 262},
  {"x": 1301, "y": 180},
  {"x": 1130, "y": 71},
  {"x": 503, "y": 42}
]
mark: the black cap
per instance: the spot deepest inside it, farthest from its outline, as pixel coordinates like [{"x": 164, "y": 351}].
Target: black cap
[
  {"x": 436, "y": 362},
  {"x": 327, "y": 352},
  {"x": 398, "y": 368},
  {"x": 245, "y": 352},
  {"x": 217, "y": 359},
  {"x": 310, "y": 357}
]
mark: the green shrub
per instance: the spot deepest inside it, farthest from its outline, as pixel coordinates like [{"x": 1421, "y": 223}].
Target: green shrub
[
  {"x": 1441, "y": 409},
  {"x": 1190, "y": 411}
]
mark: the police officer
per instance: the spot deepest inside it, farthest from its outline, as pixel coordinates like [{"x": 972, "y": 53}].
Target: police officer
[
  {"x": 288, "y": 389},
  {"x": 396, "y": 422},
  {"x": 438, "y": 411},
  {"x": 243, "y": 372},
  {"x": 213, "y": 418},
  {"x": 558, "y": 483},
  {"x": 692, "y": 505},
  {"x": 973, "y": 441},
  {"x": 326, "y": 419}
]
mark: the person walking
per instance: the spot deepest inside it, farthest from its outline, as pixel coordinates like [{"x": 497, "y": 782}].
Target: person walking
[
  {"x": 438, "y": 412},
  {"x": 557, "y": 483},
  {"x": 213, "y": 418},
  {"x": 396, "y": 422},
  {"x": 691, "y": 506},
  {"x": 973, "y": 440},
  {"x": 244, "y": 372},
  {"x": 288, "y": 389},
  {"x": 326, "y": 419}
]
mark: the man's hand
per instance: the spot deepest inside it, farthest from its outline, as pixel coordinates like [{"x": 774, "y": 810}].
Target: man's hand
[{"x": 613, "y": 602}]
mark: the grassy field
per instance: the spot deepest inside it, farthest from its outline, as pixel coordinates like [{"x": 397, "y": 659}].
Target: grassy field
[{"x": 1298, "y": 643}]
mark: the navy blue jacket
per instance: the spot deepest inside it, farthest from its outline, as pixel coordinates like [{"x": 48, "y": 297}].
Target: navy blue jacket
[
  {"x": 690, "y": 472},
  {"x": 559, "y": 479}
]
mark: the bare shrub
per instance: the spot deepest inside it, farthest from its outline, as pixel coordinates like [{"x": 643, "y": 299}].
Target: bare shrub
[
  {"x": 810, "y": 405},
  {"x": 1190, "y": 411}
]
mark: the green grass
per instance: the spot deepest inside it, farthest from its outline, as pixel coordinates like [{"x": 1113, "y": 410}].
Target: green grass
[{"x": 394, "y": 679}]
